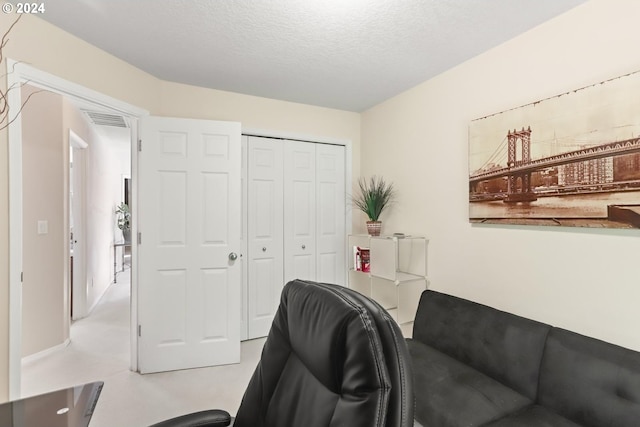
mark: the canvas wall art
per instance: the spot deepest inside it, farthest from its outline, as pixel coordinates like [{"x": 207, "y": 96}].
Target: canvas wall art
[{"x": 570, "y": 160}]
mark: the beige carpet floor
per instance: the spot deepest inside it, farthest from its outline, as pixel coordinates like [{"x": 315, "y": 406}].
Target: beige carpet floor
[{"x": 99, "y": 350}]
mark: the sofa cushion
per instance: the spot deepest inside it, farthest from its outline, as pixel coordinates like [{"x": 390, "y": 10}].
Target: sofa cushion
[
  {"x": 504, "y": 346},
  {"x": 589, "y": 381},
  {"x": 451, "y": 394},
  {"x": 533, "y": 416}
]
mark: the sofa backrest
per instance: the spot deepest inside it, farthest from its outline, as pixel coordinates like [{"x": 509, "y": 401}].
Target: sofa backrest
[
  {"x": 506, "y": 347},
  {"x": 591, "y": 382}
]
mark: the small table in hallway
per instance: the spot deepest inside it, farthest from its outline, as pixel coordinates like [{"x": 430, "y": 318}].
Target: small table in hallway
[{"x": 124, "y": 246}]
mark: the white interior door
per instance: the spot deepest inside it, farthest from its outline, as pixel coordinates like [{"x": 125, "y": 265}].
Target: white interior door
[
  {"x": 299, "y": 210},
  {"x": 331, "y": 216},
  {"x": 265, "y": 233},
  {"x": 189, "y": 224},
  {"x": 77, "y": 222}
]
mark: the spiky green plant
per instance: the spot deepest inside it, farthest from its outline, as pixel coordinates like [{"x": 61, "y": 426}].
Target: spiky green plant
[{"x": 375, "y": 195}]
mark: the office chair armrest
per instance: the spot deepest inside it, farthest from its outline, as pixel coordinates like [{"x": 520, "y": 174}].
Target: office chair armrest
[{"x": 210, "y": 418}]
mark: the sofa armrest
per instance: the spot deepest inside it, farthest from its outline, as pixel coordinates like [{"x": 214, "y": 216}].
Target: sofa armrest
[{"x": 210, "y": 418}]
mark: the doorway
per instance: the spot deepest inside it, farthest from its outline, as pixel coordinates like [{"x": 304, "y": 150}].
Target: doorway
[
  {"x": 60, "y": 289},
  {"x": 25, "y": 74}
]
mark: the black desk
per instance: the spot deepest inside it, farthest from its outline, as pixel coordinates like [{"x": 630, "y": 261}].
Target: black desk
[{"x": 71, "y": 407}]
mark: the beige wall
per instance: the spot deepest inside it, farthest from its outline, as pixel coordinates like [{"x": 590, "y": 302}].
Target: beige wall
[
  {"x": 43, "y": 290},
  {"x": 584, "y": 280},
  {"x": 49, "y": 49},
  {"x": 180, "y": 100}
]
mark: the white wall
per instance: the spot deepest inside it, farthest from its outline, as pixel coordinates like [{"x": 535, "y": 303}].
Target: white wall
[
  {"x": 584, "y": 280},
  {"x": 103, "y": 183}
]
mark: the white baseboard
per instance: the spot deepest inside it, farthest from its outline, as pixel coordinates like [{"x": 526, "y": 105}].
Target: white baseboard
[
  {"x": 39, "y": 355},
  {"x": 99, "y": 297}
]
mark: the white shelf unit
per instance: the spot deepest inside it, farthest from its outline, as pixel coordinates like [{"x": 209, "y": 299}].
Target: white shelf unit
[{"x": 398, "y": 273}]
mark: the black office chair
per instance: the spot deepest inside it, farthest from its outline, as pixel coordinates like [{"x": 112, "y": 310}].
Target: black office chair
[
  {"x": 332, "y": 358},
  {"x": 397, "y": 356}
]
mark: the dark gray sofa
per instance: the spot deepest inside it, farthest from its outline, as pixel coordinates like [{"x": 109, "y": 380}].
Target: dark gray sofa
[{"x": 474, "y": 365}]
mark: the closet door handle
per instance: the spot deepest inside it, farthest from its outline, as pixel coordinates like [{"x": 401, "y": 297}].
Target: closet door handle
[
  {"x": 264, "y": 249},
  {"x": 304, "y": 246},
  {"x": 233, "y": 256}
]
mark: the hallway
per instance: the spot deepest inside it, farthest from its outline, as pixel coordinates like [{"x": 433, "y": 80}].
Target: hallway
[{"x": 99, "y": 351}]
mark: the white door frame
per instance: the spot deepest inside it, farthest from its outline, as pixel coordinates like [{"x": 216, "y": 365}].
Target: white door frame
[{"x": 18, "y": 74}]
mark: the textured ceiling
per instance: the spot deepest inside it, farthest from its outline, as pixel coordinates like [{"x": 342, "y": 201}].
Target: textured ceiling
[{"x": 344, "y": 54}]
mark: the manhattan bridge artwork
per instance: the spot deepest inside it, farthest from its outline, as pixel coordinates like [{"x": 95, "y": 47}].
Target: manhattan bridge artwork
[{"x": 570, "y": 160}]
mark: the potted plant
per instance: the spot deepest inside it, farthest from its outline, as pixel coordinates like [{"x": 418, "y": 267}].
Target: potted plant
[
  {"x": 124, "y": 221},
  {"x": 374, "y": 196}
]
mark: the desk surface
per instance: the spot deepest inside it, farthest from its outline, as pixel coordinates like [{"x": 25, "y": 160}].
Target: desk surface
[{"x": 71, "y": 407}]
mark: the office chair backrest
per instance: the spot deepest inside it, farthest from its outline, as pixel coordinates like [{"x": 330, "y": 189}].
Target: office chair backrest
[
  {"x": 323, "y": 365},
  {"x": 401, "y": 400}
]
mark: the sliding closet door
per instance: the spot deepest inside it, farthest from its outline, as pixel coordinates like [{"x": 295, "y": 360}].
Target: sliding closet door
[
  {"x": 331, "y": 213},
  {"x": 299, "y": 210},
  {"x": 265, "y": 231}
]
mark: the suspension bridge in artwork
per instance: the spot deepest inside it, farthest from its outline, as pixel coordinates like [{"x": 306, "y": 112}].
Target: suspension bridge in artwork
[{"x": 520, "y": 167}]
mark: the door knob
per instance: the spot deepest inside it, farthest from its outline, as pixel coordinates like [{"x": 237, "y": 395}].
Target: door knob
[
  {"x": 233, "y": 256},
  {"x": 264, "y": 249},
  {"x": 304, "y": 246}
]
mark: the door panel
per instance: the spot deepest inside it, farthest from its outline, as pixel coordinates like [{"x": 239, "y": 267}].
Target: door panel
[
  {"x": 216, "y": 318},
  {"x": 267, "y": 271},
  {"x": 172, "y": 197},
  {"x": 303, "y": 267},
  {"x": 189, "y": 289},
  {"x": 330, "y": 224},
  {"x": 264, "y": 230},
  {"x": 77, "y": 177},
  {"x": 172, "y": 295},
  {"x": 300, "y": 210}
]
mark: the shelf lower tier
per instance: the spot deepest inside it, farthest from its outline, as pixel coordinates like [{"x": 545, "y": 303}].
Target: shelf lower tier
[
  {"x": 400, "y": 276},
  {"x": 403, "y": 297}
]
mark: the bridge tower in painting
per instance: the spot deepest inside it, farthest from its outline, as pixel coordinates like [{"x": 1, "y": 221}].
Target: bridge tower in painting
[{"x": 524, "y": 194}]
